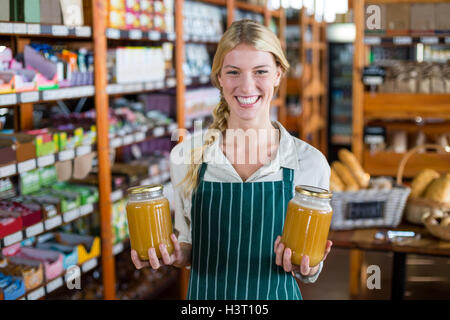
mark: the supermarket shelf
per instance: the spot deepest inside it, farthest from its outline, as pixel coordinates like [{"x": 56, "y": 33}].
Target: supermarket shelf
[
  {"x": 40, "y": 162},
  {"x": 427, "y": 39},
  {"x": 195, "y": 81},
  {"x": 293, "y": 86},
  {"x": 136, "y": 34},
  {"x": 406, "y": 105},
  {"x": 386, "y": 163},
  {"x": 48, "y": 225},
  {"x": 202, "y": 38},
  {"x": 139, "y": 87},
  {"x": 249, "y": 7},
  {"x": 33, "y": 29},
  {"x": 10, "y": 99},
  {"x": 215, "y": 2},
  {"x": 54, "y": 284}
]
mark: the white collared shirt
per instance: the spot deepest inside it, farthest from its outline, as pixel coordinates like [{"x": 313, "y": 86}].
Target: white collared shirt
[{"x": 309, "y": 164}]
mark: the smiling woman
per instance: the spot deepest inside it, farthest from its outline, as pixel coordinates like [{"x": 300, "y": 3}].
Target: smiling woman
[{"x": 230, "y": 205}]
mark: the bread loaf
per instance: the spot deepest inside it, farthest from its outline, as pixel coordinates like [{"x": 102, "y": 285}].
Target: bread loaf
[
  {"x": 344, "y": 173},
  {"x": 439, "y": 189},
  {"x": 349, "y": 159},
  {"x": 422, "y": 181},
  {"x": 336, "y": 183}
]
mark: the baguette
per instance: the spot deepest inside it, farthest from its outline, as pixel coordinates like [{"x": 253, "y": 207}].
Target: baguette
[
  {"x": 344, "y": 173},
  {"x": 439, "y": 189},
  {"x": 336, "y": 183},
  {"x": 421, "y": 181},
  {"x": 349, "y": 159}
]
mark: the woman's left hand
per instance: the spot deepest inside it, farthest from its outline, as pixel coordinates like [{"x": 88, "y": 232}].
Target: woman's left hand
[{"x": 283, "y": 259}]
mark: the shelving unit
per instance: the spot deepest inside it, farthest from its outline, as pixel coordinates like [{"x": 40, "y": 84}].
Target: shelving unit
[
  {"x": 370, "y": 107},
  {"x": 100, "y": 38},
  {"x": 311, "y": 88}
]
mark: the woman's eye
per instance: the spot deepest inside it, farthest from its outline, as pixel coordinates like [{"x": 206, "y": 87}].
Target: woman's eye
[
  {"x": 261, "y": 72},
  {"x": 232, "y": 73}
]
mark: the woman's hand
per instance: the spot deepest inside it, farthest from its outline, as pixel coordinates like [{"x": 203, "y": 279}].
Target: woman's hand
[
  {"x": 179, "y": 258},
  {"x": 283, "y": 259}
]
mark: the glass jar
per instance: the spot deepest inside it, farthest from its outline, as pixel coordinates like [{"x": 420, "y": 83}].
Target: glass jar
[
  {"x": 307, "y": 224},
  {"x": 149, "y": 220}
]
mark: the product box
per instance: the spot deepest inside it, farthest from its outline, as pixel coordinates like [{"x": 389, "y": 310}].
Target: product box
[
  {"x": 45, "y": 142},
  {"x": 11, "y": 287},
  {"x": 72, "y": 12},
  {"x": 442, "y": 14},
  {"x": 88, "y": 194},
  {"x": 24, "y": 145},
  {"x": 50, "y": 205},
  {"x": 47, "y": 176},
  {"x": 69, "y": 253},
  {"x": 51, "y": 260},
  {"x": 132, "y": 20},
  {"x": 4, "y": 13},
  {"x": 68, "y": 200},
  {"x": 371, "y": 19},
  {"x": 398, "y": 18},
  {"x": 423, "y": 18},
  {"x": 116, "y": 19},
  {"x": 8, "y": 152},
  {"x": 118, "y": 5},
  {"x": 10, "y": 222},
  {"x": 29, "y": 182},
  {"x": 30, "y": 212},
  {"x": 6, "y": 82},
  {"x": 30, "y": 271},
  {"x": 25, "y": 11},
  {"x": 88, "y": 246},
  {"x": 51, "y": 12},
  {"x": 132, "y": 6}
]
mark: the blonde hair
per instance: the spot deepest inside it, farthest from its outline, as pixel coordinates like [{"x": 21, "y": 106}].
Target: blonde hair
[{"x": 243, "y": 31}]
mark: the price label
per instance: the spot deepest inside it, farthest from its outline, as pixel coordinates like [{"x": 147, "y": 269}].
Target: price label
[
  {"x": 84, "y": 31},
  {"x": 128, "y": 139},
  {"x": 8, "y": 99},
  {"x": 36, "y": 294},
  {"x": 402, "y": 40},
  {"x": 8, "y": 170},
  {"x": 159, "y": 84},
  {"x": 51, "y": 95},
  {"x": 32, "y": 96},
  {"x": 116, "y": 195},
  {"x": 139, "y": 136},
  {"x": 149, "y": 86},
  {"x": 26, "y": 165},
  {"x": 447, "y": 40},
  {"x": 429, "y": 40},
  {"x": 86, "y": 209},
  {"x": 54, "y": 284},
  {"x": 171, "y": 82},
  {"x": 154, "y": 35},
  {"x": 33, "y": 28},
  {"x": 66, "y": 155},
  {"x": 34, "y": 230},
  {"x": 135, "y": 87},
  {"x": 89, "y": 265},
  {"x": 6, "y": 27},
  {"x": 372, "y": 41},
  {"x": 81, "y": 151},
  {"x": 196, "y": 38},
  {"x": 113, "y": 33},
  {"x": 46, "y": 160},
  {"x": 204, "y": 79},
  {"x": 60, "y": 31},
  {"x": 172, "y": 127},
  {"x": 188, "y": 81},
  {"x": 53, "y": 222},
  {"x": 118, "y": 248},
  {"x": 171, "y": 36},
  {"x": 112, "y": 88},
  {"x": 158, "y": 131},
  {"x": 20, "y": 28},
  {"x": 71, "y": 215},
  {"x": 116, "y": 142},
  {"x": 13, "y": 238},
  {"x": 135, "y": 34}
]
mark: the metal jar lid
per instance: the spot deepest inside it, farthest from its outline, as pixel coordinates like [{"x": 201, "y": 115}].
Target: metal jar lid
[
  {"x": 152, "y": 188},
  {"x": 313, "y": 192}
]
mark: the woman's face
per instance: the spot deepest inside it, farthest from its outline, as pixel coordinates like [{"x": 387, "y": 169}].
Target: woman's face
[{"x": 248, "y": 78}]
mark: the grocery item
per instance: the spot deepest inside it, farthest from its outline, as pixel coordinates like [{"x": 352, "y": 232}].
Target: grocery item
[
  {"x": 307, "y": 224},
  {"x": 344, "y": 173},
  {"x": 439, "y": 189},
  {"x": 149, "y": 220},
  {"x": 421, "y": 181},
  {"x": 349, "y": 159}
]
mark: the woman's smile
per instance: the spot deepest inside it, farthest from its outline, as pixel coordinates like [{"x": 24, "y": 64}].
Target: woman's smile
[{"x": 248, "y": 101}]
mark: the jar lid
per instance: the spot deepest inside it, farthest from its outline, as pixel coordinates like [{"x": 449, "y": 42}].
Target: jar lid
[
  {"x": 314, "y": 192},
  {"x": 144, "y": 189}
]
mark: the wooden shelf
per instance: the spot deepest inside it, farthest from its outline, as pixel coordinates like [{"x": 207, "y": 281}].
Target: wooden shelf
[
  {"x": 249, "y": 7},
  {"x": 386, "y": 163},
  {"x": 215, "y": 2},
  {"x": 293, "y": 86},
  {"x": 406, "y": 106}
]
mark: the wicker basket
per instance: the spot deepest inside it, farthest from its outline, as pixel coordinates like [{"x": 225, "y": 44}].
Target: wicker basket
[
  {"x": 436, "y": 230},
  {"x": 417, "y": 207}
]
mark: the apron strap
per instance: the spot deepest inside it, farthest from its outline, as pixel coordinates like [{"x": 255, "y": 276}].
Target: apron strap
[
  {"x": 288, "y": 175},
  {"x": 202, "y": 171}
]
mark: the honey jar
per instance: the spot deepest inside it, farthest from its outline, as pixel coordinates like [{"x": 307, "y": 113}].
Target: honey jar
[
  {"x": 149, "y": 220},
  {"x": 307, "y": 224}
]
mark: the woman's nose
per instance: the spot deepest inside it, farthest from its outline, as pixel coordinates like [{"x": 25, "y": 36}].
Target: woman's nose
[{"x": 247, "y": 84}]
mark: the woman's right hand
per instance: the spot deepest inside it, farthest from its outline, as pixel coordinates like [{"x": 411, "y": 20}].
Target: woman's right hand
[{"x": 179, "y": 258}]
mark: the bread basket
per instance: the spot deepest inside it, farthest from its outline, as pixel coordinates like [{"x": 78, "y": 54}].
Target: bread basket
[
  {"x": 417, "y": 207},
  {"x": 437, "y": 230}
]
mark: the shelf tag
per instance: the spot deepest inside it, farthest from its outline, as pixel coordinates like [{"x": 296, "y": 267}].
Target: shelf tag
[
  {"x": 19, "y": 28},
  {"x": 46, "y": 160},
  {"x": 135, "y": 34},
  {"x": 372, "y": 41},
  {"x": 204, "y": 79},
  {"x": 66, "y": 155},
  {"x": 31, "y": 96},
  {"x": 84, "y": 31},
  {"x": 116, "y": 195},
  {"x": 8, "y": 170},
  {"x": 159, "y": 84},
  {"x": 139, "y": 136},
  {"x": 8, "y": 99},
  {"x": 402, "y": 40},
  {"x": 13, "y": 238},
  {"x": 429, "y": 40},
  {"x": 26, "y": 165},
  {"x": 158, "y": 131},
  {"x": 116, "y": 142},
  {"x": 36, "y": 294},
  {"x": 171, "y": 82},
  {"x": 89, "y": 265},
  {"x": 154, "y": 35},
  {"x": 172, "y": 127},
  {"x": 128, "y": 139},
  {"x": 171, "y": 36},
  {"x": 6, "y": 27},
  {"x": 58, "y": 30},
  {"x": 34, "y": 230},
  {"x": 81, "y": 151},
  {"x": 33, "y": 28},
  {"x": 71, "y": 215},
  {"x": 86, "y": 209},
  {"x": 53, "y": 222},
  {"x": 187, "y": 81},
  {"x": 118, "y": 248},
  {"x": 447, "y": 40},
  {"x": 54, "y": 284},
  {"x": 113, "y": 33}
]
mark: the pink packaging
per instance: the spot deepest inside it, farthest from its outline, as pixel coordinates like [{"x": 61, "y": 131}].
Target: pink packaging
[
  {"x": 132, "y": 20},
  {"x": 132, "y": 6},
  {"x": 52, "y": 260}
]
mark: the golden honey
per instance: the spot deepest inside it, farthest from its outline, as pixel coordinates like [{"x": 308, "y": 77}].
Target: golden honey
[
  {"x": 149, "y": 220},
  {"x": 308, "y": 220}
]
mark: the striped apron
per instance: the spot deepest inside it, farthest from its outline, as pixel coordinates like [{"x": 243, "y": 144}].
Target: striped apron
[{"x": 234, "y": 227}]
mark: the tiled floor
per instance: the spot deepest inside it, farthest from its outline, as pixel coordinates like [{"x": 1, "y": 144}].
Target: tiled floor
[{"x": 427, "y": 278}]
